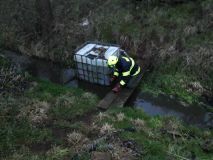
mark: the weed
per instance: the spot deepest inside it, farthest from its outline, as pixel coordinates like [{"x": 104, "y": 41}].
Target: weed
[
  {"x": 106, "y": 129},
  {"x": 36, "y": 112},
  {"x": 120, "y": 117},
  {"x": 75, "y": 138},
  {"x": 66, "y": 100},
  {"x": 139, "y": 124},
  {"x": 102, "y": 116},
  {"x": 58, "y": 153}
]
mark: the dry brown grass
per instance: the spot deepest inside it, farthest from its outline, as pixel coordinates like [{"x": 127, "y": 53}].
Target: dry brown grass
[
  {"x": 139, "y": 124},
  {"x": 66, "y": 100},
  {"x": 102, "y": 116},
  {"x": 76, "y": 138},
  {"x": 57, "y": 152},
  {"x": 36, "y": 112},
  {"x": 120, "y": 117},
  {"x": 11, "y": 81},
  {"x": 88, "y": 95},
  {"x": 106, "y": 129}
]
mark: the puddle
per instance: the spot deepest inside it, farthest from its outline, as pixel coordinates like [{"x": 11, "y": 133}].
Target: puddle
[
  {"x": 166, "y": 106},
  {"x": 41, "y": 68}
]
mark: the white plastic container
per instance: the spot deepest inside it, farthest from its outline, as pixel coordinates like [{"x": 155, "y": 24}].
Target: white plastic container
[{"x": 91, "y": 62}]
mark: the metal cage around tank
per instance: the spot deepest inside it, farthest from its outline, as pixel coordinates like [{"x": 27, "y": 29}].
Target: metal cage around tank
[{"x": 93, "y": 67}]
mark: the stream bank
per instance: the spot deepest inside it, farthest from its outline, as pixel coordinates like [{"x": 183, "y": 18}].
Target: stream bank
[
  {"x": 61, "y": 120},
  {"x": 161, "y": 105}
]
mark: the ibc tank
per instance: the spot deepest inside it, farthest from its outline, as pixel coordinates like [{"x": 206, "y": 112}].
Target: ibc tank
[{"x": 91, "y": 62}]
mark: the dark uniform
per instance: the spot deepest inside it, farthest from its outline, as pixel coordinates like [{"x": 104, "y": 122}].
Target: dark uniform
[{"x": 125, "y": 69}]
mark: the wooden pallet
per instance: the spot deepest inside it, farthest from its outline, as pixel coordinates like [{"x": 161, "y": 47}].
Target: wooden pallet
[{"x": 118, "y": 99}]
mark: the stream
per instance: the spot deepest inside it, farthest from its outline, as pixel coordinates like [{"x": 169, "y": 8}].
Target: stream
[
  {"x": 164, "y": 105},
  {"x": 161, "y": 105}
]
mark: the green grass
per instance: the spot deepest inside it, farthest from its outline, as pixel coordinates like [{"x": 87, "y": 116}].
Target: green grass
[
  {"x": 156, "y": 144},
  {"x": 110, "y": 23},
  {"x": 201, "y": 39},
  {"x": 46, "y": 90},
  {"x": 4, "y": 62},
  {"x": 16, "y": 133},
  {"x": 171, "y": 84},
  {"x": 65, "y": 105}
]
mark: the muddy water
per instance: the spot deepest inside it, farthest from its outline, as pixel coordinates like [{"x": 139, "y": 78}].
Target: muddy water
[
  {"x": 161, "y": 105},
  {"x": 53, "y": 72},
  {"x": 41, "y": 68},
  {"x": 169, "y": 106}
]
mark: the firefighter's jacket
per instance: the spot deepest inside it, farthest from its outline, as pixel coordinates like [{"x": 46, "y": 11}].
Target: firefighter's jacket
[{"x": 125, "y": 68}]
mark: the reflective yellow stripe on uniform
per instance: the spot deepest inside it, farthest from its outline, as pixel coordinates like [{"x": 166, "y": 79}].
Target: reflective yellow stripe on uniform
[
  {"x": 122, "y": 82},
  {"x": 116, "y": 73},
  {"x": 127, "y": 59},
  {"x": 137, "y": 72},
  {"x": 127, "y": 73}
]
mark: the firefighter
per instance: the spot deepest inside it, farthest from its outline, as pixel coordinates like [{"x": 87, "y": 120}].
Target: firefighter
[{"x": 124, "y": 68}]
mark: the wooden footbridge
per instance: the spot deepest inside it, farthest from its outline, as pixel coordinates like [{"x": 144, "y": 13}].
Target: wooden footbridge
[{"x": 119, "y": 99}]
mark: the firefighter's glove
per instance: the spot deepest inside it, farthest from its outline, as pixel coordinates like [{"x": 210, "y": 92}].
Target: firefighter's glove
[
  {"x": 112, "y": 79},
  {"x": 117, "y": 88}
]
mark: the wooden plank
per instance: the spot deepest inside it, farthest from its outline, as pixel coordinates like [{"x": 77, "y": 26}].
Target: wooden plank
[
  {"x": 125, "y": 93},
  {"x": 107, "y": 100},
  {"x": 119, "y": 99},
  {"x": 123, "y": 96}
]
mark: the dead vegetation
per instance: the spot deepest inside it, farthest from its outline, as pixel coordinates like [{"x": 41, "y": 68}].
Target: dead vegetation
[
  {"x": 12, "y": 82},
  {"x": 120, "y": 116},
  {"x": 102, "y": 116},
  {"x": 36, "y": 112},
  {"x": 173, "y": 128},
  {"x": 76, "y": 138},
  {"x": 139, "y": 124},
  {"x": 106, "y": 129},
  {"x": 66, "y": 100},
  {"x": 58, "y": 152}
]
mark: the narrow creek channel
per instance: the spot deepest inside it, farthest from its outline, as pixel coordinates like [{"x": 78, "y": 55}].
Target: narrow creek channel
[
  {"x": 161, "y": 105},
  {"x": 164, "y": 105}
]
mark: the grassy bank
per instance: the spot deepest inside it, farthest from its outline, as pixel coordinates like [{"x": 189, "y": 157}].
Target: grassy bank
[
  {"x": 34, "y": 118},
  {"x": 42, "y": 120},
  {"x": 51, "y": 121},
  {"x": 43, "y": 124},
  {"x": 177, "y": 85},
  {"x": 177, "y": 36},
  {"x": 157, "y": 137}
]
